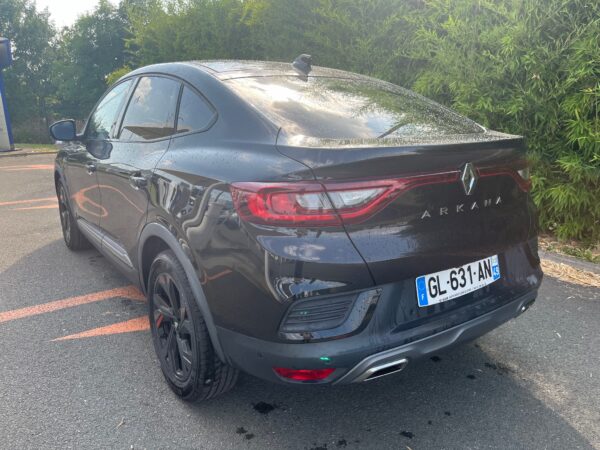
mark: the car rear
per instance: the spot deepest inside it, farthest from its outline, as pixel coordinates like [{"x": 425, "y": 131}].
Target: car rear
[{"x": 436, "y": 207}]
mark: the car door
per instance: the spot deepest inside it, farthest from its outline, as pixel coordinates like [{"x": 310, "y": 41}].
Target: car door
[
  {"x": 82, "y": 182},
  {"x": 123, "y": 177}
]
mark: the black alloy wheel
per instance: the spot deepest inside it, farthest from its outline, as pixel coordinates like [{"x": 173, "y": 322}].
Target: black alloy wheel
[
  {"x": 182, "y": 343},
  {"x": 174, "y": 328},
  {"x": 73, "y": 237},
  {"x": 65, "y": 215}
]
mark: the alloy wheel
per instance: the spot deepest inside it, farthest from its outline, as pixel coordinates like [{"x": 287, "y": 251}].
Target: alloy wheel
[
  {"x": 65, "y": 214},
  {"x": 174, "y": 328}
]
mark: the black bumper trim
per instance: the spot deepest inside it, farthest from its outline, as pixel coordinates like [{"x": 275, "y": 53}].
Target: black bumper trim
[
  {"x": 461, "y": 333},
  {"x": 354, "y": 355}
]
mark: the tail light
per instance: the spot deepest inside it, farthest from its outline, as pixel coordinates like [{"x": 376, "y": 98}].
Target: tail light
[
  {"x": 524, "y": 173},
  {"x": 323, "y": 204},
  {"x": 519, "y": 172},
  {"x": 333, "y": 203}
]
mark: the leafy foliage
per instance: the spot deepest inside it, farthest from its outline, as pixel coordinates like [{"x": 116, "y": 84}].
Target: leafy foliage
[
  {"x": 87, "y": 53},
  {"x": 27, "y": 81},
  {"x": 529, "y": 67}
]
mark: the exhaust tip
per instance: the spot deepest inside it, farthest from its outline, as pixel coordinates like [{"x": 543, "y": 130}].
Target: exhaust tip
[
  {"x": 382, "y": 370},
  {"x": 525, "y": 307}
]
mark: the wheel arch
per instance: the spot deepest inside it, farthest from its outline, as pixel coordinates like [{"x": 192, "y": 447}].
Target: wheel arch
[
  {"x": 156, "y": 238},
  {"x": 60, "y": 175},
  {"x": 58, "y": 178}
]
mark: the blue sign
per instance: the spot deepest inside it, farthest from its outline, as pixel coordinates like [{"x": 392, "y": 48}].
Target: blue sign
[
  {"x": 5, "y": 53},
  {"x": 6, "y": 139}
]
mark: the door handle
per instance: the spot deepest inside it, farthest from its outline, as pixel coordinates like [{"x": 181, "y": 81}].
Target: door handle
[
  {"x": 138, "y": 181},
  {"x": 90, "y": 167}
]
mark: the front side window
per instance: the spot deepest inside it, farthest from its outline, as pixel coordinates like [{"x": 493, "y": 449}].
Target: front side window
[
  {"x": 195, "y": 114},
  {"x": 104, "y": 117},
  {"x": 151, "y": 110}
]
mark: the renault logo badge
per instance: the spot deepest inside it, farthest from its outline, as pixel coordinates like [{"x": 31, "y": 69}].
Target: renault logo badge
[{"x": 468, "y": 177}]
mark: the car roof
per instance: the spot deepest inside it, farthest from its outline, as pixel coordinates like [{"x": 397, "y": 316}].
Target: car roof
[
  {"x": 227, "y": 69},
  {"x": 224, "y": 69}
]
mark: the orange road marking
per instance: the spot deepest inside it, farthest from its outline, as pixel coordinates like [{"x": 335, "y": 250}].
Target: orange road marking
[
  {"x": 35, "y": 207},
  {"x": 21, "y": 168},
  {"x": 129, "y": 326},
  {"x": 33, "y": 200},
  {"x": 130, "y": 292}
]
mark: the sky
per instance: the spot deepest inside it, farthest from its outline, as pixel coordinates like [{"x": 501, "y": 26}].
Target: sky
[{"x": 65, "y": 12}]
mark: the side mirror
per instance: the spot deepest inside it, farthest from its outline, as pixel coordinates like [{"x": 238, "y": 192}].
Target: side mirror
[{"x": 63, "y": 130}]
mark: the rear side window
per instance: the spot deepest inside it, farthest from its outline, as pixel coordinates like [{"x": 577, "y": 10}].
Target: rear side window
[
  {"x": 103, "y": 118},
  {"x": 195, "y": 114},
  {"x": 348, "y": 108},
  {"x": 151, "y": 110}
]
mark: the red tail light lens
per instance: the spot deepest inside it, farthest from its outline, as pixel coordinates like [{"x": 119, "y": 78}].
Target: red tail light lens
[
  {"x": 333, "y": 203},
  {"x": 323, "y": 204},
  {"x": 303, "y": 374},
  {"x": 284, "y": 203},
  {"x": 519, "y": 172}
]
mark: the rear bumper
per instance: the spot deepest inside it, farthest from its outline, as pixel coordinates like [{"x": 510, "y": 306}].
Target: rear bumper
[{"x": 356, "y": 356}]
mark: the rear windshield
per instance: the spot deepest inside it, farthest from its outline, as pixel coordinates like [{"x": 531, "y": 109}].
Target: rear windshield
[{"x": 341, "y": 108}]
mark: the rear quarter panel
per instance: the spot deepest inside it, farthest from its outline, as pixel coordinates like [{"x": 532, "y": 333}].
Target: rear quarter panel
[{"x": 250, "y": 274}]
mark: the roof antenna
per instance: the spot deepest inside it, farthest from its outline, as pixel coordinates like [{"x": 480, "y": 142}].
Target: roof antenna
[{"x": 303, "y": 63}]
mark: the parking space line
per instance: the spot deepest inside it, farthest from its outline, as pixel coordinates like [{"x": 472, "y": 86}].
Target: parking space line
[
  {"x": 33, "y": 200},
  {"x": 23, "y": 168},
  {"x": 28, "y": 208},
  {"x": 130, "y": 292},
  {"x": 129, "y": 326}
]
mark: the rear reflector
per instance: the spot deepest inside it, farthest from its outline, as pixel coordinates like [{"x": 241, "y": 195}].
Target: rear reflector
[{"x": 303, "y": 374}]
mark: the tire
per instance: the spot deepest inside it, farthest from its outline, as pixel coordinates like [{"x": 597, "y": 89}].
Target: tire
[
  {"x": 187, "y": 358},
  {"x": 73, "y": 237}
]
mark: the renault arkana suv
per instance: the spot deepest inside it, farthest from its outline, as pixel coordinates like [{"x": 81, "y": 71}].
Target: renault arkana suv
[{"x": 301, "y": 224}]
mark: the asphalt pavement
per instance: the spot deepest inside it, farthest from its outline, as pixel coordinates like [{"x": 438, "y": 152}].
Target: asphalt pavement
[{"x": 77, "y": 367}]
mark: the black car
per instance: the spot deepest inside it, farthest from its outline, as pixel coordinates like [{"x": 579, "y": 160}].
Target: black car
[{"x": 302, "y": 224}]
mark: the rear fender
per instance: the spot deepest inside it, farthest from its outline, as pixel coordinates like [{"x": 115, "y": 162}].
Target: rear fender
[{"x": 160, "y": 231}]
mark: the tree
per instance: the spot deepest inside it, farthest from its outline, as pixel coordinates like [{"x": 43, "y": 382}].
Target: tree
[
  {"x": 177, "y": 30},
  {"x": 87, "y": 53},
  {"x": 28, "y": 85}
]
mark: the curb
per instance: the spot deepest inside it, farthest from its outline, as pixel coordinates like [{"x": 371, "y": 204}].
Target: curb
[
  {"x": 16, "y": 153},
  {"x": 570, "y": 261}
]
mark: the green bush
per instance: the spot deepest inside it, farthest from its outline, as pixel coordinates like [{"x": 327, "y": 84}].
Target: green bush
[{"x": 526, "y": 67}]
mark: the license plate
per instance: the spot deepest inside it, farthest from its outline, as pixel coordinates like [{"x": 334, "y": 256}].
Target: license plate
[{"x": 452, "y": 283}]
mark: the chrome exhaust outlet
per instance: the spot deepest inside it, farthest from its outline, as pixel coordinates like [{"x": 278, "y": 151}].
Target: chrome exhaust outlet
[
  {"x": 525, "y": 307},
  {"x": 382, "y": 370}
]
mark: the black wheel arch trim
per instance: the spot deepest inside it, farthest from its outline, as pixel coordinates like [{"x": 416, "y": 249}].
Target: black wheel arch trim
[
  {"x": 59, "y": 174},
  {"x": 160, "y": 231},
  {"x": 60, "y": 178}
]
